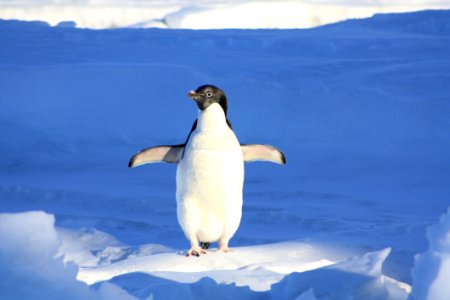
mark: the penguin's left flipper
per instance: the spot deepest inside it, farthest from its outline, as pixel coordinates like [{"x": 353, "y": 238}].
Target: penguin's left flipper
[
  {"x": 256, "y": 152},
  {"x": 169, "y": 154}
]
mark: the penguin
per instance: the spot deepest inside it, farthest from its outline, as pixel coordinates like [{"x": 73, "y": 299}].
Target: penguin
[{"x": 210, "y": 172}]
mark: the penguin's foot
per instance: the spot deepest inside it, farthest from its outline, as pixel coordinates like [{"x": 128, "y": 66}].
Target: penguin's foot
[
  {"x": 225, "y": 249},
  {"x": 195, "y": 251}
]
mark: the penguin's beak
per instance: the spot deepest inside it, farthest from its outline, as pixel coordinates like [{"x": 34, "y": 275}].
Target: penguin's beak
[{"x": 193, "y": 95}]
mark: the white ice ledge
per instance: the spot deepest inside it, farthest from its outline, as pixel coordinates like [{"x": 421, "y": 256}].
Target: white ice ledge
[{"x": 203, "y": 14}]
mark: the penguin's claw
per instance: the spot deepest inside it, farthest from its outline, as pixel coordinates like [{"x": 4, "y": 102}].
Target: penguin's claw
[
  {"x": 225, "y": 249},
  {"x": 195, "y": 252}
]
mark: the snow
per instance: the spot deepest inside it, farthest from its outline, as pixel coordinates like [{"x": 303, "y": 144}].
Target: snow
[
  {"x": 277, "y": 14},
  {"x": 360, "y": 108},
  {"x": 432, "y": 268},
  {"x": 358, "y": 277},
  {"x": 29, "y": 243},
  {"x": 29, "y": 256},
  {"x": 204, "y": 14},
  {"x": 270, "y": 262}
]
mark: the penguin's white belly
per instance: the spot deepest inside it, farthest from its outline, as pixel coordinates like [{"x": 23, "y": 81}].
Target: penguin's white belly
[{"x": 209, "y": 186}]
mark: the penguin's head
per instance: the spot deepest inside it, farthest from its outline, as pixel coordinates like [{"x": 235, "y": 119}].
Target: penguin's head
[{"x": 206, "y": 95}]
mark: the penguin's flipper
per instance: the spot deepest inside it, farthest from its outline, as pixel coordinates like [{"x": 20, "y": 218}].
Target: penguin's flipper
[
  {"x": 169, "y": 154},
  {"x": 255, "y": 152}
]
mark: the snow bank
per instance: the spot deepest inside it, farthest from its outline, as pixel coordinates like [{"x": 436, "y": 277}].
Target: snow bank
[
  {"x": 28, "y": 245},
  {"x": 430, "y": 22},
  {"x": 79, "y": 246},
  {"x": 360, "y": 111},
  {"x": 356, "y": 278},
  {"x": 257, "y": 267},
  {"x": 278, "y": 271},
  {"x": 279, "y": 14},
  {"x": 202, "y": 14},
  {"x": 431, "y": 272},
  {"x": 86, "y": 15}
]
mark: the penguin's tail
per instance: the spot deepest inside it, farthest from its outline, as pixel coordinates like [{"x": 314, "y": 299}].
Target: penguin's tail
[{"x": 205, "y": 245}]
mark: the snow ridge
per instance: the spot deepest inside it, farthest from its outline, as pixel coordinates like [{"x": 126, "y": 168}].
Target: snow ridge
[
  {"x": 203, "y": 14},
  {"x": 28, "y": 246},
  {"x": 432, "y": 268},
  {"x": 360, "y": 109}
]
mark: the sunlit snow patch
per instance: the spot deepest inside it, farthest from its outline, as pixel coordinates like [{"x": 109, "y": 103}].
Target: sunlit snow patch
[
  {"x": 286, "y": 270},
  {"x": 246, "y": 266},
  {"x": 431, "y": 272},
  {"x": 28, "y": 247},
  {"x": 202, "y": 14},
  {"x": 29, "y": 244}
]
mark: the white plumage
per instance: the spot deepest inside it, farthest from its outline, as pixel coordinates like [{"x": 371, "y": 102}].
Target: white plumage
[{"x": 209, "y": 180}]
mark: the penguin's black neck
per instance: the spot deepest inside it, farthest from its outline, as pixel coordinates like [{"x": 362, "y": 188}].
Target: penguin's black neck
[{"x": 223, "y": 103}]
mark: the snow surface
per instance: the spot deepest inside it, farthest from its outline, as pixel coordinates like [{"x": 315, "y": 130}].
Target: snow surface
[
  {"x": 29, "y": 243},
  {"x": 360, "y": 108},
  {"x": 432, "y": 269},
  {"x": 203, "y": 14}
]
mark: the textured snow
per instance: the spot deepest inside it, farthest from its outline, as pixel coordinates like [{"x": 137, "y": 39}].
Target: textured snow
[
  {"x": 203, "y": 14},
  {"x": 278, "y": 14},
  {"x": 269, "y": 262},
  {"x": 432, "y": 268},
  {"x": 360, "y": 108},
  {"x": 28, "y": 248},
  {"x": 29, "y": 242}
]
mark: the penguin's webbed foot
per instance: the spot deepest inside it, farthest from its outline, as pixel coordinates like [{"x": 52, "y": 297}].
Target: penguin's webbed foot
[
  {"x": 225, "y": 249},
  {"x": 195, "y": 252}
]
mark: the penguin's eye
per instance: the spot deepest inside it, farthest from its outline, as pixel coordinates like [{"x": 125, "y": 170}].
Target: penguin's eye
[{"x": 209, "y": 94}]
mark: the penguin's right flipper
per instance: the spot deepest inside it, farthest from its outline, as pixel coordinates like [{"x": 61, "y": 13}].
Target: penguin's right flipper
[
  {"x": 169, "y": 154},
  {"x": 259, "y": 152}
]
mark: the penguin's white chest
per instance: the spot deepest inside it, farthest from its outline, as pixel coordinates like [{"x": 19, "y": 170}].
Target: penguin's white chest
[{"x": 210, "y": 180}]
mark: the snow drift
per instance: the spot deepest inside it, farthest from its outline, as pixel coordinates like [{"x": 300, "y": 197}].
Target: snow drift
[
  {"x": 29, "y": 243},
  {"x": 278, "y": 14},
  {"x": 28, "y": 246},
  {"x": 203, "y": 14},
  {"x": 360, "y": 109},
  {"x": 432, "y": 268}
]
